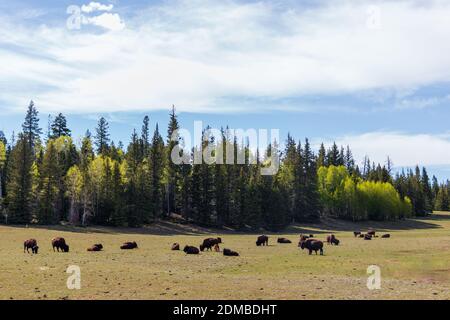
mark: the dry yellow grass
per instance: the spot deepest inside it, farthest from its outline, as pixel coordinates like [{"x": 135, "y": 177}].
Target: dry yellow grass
[{"x": 414, "y": 262}]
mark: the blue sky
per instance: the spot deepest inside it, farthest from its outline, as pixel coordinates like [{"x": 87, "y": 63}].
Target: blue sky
[{"x": 372, "y": 76}]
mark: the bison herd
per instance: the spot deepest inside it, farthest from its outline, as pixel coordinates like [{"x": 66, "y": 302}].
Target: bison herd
[{"x": 209, "y": 244}]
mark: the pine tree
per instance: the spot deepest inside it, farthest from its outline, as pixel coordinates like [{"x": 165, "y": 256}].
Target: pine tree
[
  {"x": 145, "y": 136},
  {"x": 20, "y": 182},
  {"x": 157, "y": 163},
  {"x": 173, "y": 170},
  {"x": 321, "y": 158},
  {"x": 30, "y": 127},
  {"x": 48, "y": 186},
  {"x": 102, "y": 136},
  {"x": 59, "y": 127}
]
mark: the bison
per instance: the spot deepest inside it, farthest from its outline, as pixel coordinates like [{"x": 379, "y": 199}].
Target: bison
[
  {"x": 60, "y": 243},
  {"x": 129, "y": 245},
  {"x": 209, "y": 243},
  {"x": 371, "y": 232},
  {"x": 312, "y": 245},
  {"x": 191, "y": 250},
  {"x": 262, "y": 240},
  {"x": 30, "y": 244},
  {"x": 331, "y": 239},
  {"x": 367, "y": 237},
  {"x": 387, "y": 235},
  {"x": 283, "y": 240},
  {"x": 230, "y": 253},
  {"x": 96, "y": 247},
  {"x": 176, "y": 246},
  {"x": 361, "y": 235},
  {"x": 356, "y": 233}
]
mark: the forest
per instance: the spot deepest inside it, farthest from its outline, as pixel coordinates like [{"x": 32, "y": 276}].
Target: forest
[{"x": 49, "y": 178}]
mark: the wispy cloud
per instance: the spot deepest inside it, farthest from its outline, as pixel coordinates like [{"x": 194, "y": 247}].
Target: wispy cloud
[
  {"x": 197, "y": 54},
  {"x": 96, "y": 6},
  {"x": 406, "y": 150}
]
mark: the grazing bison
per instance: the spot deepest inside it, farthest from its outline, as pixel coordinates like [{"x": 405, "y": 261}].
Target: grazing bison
[
  {"x": 191, "y": 250},
  {"x": 312, "y": 245},
  {"x": 209, "y": 243},
  {"x": 387, "y": 235},
  {"x": 356, "y": 233},
  {"x": 331, "y": 239},
  {"x": 30, "y": 244},
  {"x": 262, "y": 240},
  {"x": 96, "y": 247},
  {"x": 283, "y": 240},
  {"x": 230, "y": 253},
  {"x": 129, "y": 245},
  {"x": 60, "y": 243},
  {"x": 176, "y": 246}
]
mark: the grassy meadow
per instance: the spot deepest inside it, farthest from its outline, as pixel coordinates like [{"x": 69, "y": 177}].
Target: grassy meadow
[{"x": 414, "y": 262}]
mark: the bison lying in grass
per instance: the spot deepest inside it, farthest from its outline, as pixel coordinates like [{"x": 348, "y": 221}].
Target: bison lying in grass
[
  {"x": 191, "y": 250},
  {"x": 312, "y": 245},
  {"x": 262, "y": 240},
  {"x": 387, "y": 235},
  {"x": 129, "y": 245},
  {"x": 283, "y": 240},
  {"x": 96, "y": 247},
  {"x": 60, "y": 243},
  {"x": 30, "y": 244},
  {"x": 176, "y": 246},
  {"x": 230, "y": 253}
]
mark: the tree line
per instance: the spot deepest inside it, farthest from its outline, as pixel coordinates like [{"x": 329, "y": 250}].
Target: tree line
[{"x": 48, "y": 178}]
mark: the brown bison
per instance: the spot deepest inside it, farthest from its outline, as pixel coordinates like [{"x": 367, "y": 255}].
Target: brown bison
[
  {"x": 371, "y": 232},
  {"x": 331, "y": 239},
  {"x": 129, "y": 245},
  {"x": 60, "y": 243},
  {"x": 367, "y": 237},
  {"x": 312, "y": 245},
  {"x": 230, "y": 253},
  {"x": 361, "y": 235},
  {"x": 283, "y": 240},
  {"x": 30, "y": 244},
  {"x": 209, "y": 243},
  {"x": 262, "y": 240},
  {"x": 176, "y": 246},
  {"x": 356, "y": 233},
  {"x": 387, "y": 235},
  {"x": 191, "y": 250},
  {"x": 96, "y": 247}
]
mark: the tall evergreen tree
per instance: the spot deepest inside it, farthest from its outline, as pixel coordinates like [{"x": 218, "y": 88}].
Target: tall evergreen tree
[
  {"x": 30, "y": 127},
  {"x": 59, "y": 127},
  {"x": 20, "y": 182},
  {"x": 102, "y": 136}
]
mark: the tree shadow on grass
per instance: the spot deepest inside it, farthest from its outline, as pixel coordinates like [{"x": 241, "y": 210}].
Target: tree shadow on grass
[{"x": 326, "y": 225}]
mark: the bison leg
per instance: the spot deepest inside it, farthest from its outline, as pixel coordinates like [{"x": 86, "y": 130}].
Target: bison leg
[
  {"x": 321, "y": 252},
  {"x": 310, "y": 251}
]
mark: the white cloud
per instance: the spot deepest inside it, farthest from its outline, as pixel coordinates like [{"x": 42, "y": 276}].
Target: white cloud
[
  {"x": 110, "y": 21},
  {"x": 197, "y": 53},
  {"x": 406, "y": 150},
  {"x": 96, "y": 6}
]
